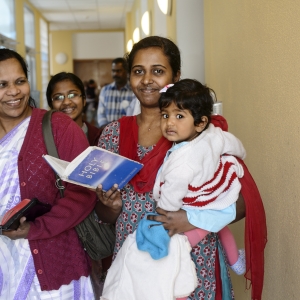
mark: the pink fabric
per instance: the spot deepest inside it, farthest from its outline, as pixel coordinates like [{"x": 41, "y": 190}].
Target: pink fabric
[
  {"x": 229, "y": 244},
  {"x": 195, "y": 236},
  {"x": 58, "y": 255}
]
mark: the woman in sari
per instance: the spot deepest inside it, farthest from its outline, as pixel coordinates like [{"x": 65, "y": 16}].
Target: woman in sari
[{"x": 42, "y": 259}]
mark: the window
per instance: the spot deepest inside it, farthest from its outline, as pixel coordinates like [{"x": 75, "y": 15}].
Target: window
[
  {"x": 29, "y": 31},
  {"x": 44, "y": 60},
  {"x": 7, "y": 24},
  {"x": 7, "y": 19}
]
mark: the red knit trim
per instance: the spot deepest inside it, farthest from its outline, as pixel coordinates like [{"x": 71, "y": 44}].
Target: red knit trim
[{"x": 195, "y": 201}]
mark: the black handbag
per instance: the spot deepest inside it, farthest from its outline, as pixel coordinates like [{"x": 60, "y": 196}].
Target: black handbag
[{"x": 97, "y": 239}]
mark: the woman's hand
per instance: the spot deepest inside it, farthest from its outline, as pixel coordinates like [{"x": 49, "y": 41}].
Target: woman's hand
[
  {"x": 20, "y": 233},
  {"x": 173, "y": 221},
  {"x": 111, "y": 198},
  {"x": 110, "y": 204}
]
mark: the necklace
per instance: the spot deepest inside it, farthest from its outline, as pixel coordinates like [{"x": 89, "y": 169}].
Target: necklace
[{"x": 153, "y": 126}]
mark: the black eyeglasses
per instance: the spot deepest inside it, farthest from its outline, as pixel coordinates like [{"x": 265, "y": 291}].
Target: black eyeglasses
[{"x": 60, "y": 97}]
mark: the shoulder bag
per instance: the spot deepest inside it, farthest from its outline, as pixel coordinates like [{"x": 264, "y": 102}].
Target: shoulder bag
[{"x": 98, "y": 239}]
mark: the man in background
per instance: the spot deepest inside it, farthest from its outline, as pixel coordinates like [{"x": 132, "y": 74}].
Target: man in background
[{"x": 115, "y": 98}]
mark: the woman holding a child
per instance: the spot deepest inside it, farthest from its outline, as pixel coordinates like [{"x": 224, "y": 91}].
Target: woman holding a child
[{"x": 153, "y": 63}]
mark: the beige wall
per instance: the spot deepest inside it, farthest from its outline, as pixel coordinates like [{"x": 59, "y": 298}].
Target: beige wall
[
  {"x": 252, "y": 61},
  {"x": 61, "y": 42}
]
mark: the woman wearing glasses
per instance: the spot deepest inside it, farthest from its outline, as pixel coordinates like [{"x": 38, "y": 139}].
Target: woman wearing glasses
[
  {"x": 37, "y": 259},
  {"x": 66, "y": 93}
]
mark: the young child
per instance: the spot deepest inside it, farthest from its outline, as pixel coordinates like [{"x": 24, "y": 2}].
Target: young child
[
  {"x": 199, "y": 171},
  {"x": 199, "y": 174}
]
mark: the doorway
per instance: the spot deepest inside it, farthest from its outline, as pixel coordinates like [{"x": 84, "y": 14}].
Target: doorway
[{"x": 97, "y": 69}]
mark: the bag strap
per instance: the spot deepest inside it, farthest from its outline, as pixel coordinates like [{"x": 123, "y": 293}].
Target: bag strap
[{"x": 50, "y": 145}]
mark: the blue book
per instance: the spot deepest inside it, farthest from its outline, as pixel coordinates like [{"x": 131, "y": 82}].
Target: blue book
[{"x": 96, "y": 166}]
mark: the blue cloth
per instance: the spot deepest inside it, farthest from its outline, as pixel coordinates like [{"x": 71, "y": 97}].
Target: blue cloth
[
  {"x": 210, "y": 219},
  {"x": 152, "y": 237}
]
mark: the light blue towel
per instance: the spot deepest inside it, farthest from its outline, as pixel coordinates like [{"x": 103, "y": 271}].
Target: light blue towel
[{"x": 152, "y": 237}]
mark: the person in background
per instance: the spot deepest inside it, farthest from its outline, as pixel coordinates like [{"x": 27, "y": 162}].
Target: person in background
[
  {"x": 66, "y": 93},
  {"x": 115, "y": 97},
  {"x": 43, "y": 259},
  {"x": 155, "y": 62},
  {"x": 92, "y": 94}
]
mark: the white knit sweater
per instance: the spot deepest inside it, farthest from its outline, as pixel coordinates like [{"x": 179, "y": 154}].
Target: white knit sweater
[{"x": 199, "y": 175}]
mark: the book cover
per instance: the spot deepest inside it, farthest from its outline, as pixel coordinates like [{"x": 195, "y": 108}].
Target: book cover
[{"x": 96, "y": 166}]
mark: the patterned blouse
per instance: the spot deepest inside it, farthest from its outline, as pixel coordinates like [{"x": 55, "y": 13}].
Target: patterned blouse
[{"x": 136, "y": 205}]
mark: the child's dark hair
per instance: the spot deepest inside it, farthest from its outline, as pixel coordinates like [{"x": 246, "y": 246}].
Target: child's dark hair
[{"x": 191, "y": 95}]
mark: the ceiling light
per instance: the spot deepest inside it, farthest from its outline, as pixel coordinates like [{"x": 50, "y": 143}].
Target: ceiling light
[
  {"x": 129, "y": 45},
  {"x": 165, "y": 6},
  {"x": 136, "y": 35},
  {"x": 146, "y": 26}
]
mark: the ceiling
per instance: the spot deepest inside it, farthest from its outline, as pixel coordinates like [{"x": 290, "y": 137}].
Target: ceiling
[{"x": 84, "y": 14}]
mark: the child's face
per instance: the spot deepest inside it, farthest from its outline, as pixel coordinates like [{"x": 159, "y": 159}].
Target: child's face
[{"x": 177, "y": 125}]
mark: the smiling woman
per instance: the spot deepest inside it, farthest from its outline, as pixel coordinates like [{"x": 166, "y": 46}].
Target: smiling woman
[
  {"x": 14, "y": 95},
  {"x": 66, "y": 93},
  {"x": 29, "y": 264}
]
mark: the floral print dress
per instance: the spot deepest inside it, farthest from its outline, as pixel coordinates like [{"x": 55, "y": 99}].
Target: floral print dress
[{"x": 136, "y": 205}]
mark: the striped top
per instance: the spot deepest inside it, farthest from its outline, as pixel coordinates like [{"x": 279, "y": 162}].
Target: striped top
[{"x": 113, "y": 103}]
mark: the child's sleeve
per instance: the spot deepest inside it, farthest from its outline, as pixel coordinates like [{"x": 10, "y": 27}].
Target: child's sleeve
[{"x": 174, "y": 188}]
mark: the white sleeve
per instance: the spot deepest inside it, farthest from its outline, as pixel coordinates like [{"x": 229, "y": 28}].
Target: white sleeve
[
  {"x": 231, "y": 144},
  {"x": 175, "y": 188}
]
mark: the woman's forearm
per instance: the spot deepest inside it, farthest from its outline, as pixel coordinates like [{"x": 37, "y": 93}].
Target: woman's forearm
[
  {"x": 240, "y": 209},
  {"x": 106, "y": 214}
]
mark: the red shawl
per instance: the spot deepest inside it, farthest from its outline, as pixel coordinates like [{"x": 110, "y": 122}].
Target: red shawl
[
  {"x": 255, "y": 225},
  {"x": 144, "y": 180},
  {"x": 255, "y": 229}
]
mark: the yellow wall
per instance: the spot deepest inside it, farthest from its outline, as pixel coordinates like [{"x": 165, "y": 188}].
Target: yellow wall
[
  {"x": 61, "y": 41},
  {"x": 252, "y": 61},
  {"x": 131, "y": 20}
]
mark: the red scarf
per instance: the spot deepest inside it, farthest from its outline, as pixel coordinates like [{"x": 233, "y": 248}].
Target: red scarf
[
  {"x": 144, "y": 180},
  {"x": 255, "y": 229},
  {"x": 255, "y": 225}
]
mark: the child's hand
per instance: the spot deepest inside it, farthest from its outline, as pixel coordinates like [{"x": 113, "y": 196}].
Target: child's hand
[{"x": 173, "y": 221}]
